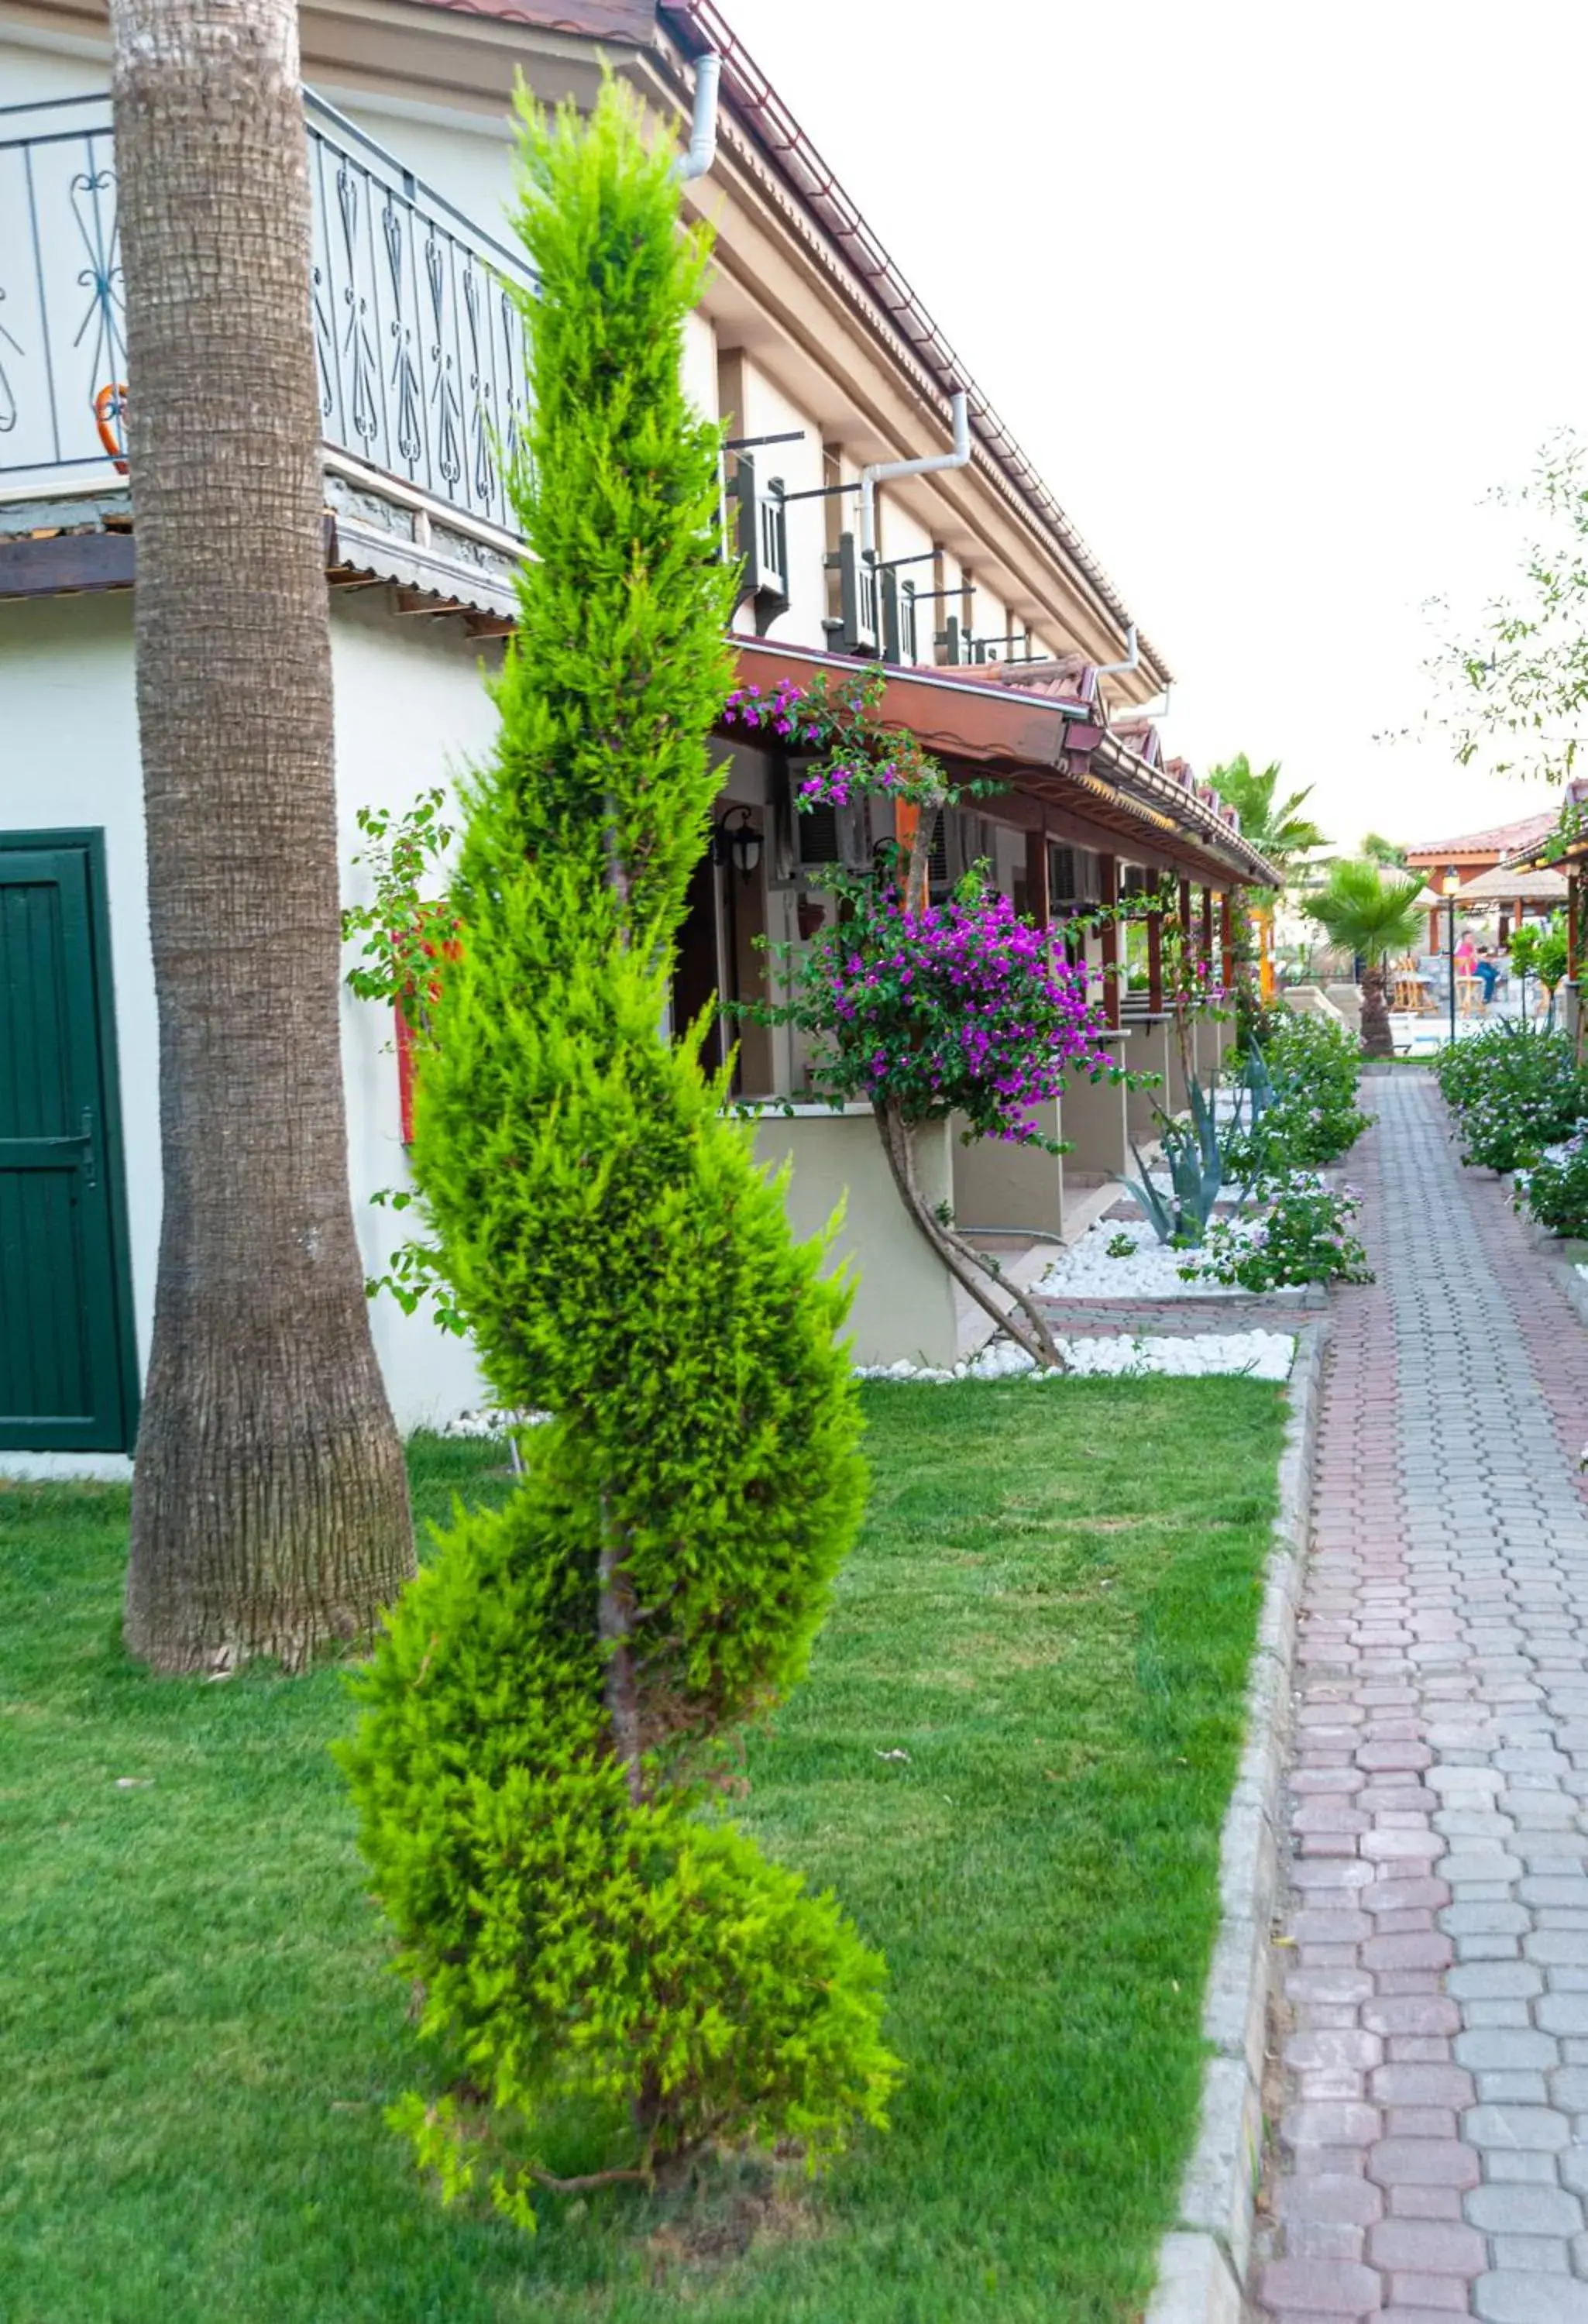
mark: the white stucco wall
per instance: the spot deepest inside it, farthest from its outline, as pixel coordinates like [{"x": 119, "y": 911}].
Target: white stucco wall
[
  {"x": 468, "y": 159},
  {"x": 988, "y": 616},
  {"x": 901, "y": 533},
  {"x": 700, "y": 361},
  {"x": 767, "y": 412},
  {"x": 32, "y": 73},
  {"x": 410, "y": 710}
]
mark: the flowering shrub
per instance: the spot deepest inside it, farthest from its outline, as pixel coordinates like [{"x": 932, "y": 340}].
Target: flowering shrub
[
  {"x": 838, "y": 716},
  {"x": 1555, "y": 1191},
  {"x": 1305, "y": 1238},
  {"x": 921, "y": 1009},
  {"x": 962, "y": 1008},
  {"x": 1513, "y": 1093},
  {"x": 1313, "y": 1117}
]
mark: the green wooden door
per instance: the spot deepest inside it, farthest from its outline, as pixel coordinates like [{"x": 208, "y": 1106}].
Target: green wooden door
[{"x": 66, "y": 1383}]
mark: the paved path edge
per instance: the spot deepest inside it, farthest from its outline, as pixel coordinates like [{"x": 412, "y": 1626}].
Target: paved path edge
[
  {"x": 1556, "y": 1263},
  {"x": 1203, "y": 2262}
]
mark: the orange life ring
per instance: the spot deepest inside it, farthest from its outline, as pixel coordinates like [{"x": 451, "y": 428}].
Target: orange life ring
[{"x": 109, "y": 405}]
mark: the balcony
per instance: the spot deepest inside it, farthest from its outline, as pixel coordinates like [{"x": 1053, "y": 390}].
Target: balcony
[{"x": 418, "y": 338}]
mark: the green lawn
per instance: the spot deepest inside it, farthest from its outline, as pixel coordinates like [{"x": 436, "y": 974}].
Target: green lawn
[{"x": 1050, "y": 1613}]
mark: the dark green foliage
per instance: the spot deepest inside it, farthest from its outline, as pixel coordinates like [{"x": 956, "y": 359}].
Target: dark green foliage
[
  {"x": 545, "y": 1710},
  {"x": 1555, "y": 1189},
  {"x": 1513, "y": 1093},
  {"x": 1313, "y": 1117}
]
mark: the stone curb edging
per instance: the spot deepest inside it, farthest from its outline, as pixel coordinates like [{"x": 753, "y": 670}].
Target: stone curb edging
[
  {"x": 1547, "y": 1245},
  {"x": 1203, "y": 2263}
]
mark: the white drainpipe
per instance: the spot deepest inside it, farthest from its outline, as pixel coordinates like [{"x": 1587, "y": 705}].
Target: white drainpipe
[
  {"x": 702, "y": 152},
  {"x": 880, "y": 472},
  {"x": 1132, "y": 660}
]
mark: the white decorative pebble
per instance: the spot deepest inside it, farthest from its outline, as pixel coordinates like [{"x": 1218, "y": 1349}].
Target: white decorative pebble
[
  {"x": 489, "y": 1422},
  {"x": 1195, "y": 1355},
  {"x": 1085, "y": 1270}
]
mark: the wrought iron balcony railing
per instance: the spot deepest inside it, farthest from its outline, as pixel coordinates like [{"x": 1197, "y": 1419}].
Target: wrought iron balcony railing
[{"x": 418, "y": 336}]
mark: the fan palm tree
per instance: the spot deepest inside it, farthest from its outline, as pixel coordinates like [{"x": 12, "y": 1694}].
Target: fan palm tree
[
  {"x": 1275, "y": 827},
  {"x": 1374, "y": 918}
]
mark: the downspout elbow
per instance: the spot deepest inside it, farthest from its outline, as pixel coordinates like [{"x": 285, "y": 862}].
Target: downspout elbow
[
  {"x": 1132, "y": 660},
  {"x": 879, "y": 472},
  {"x": 702, "y": 150}
]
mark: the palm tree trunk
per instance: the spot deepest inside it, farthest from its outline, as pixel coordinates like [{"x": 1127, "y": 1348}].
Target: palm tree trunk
[
  {"x": 270, "y": 1508},
  {"x": 1377, "y": 1039}
]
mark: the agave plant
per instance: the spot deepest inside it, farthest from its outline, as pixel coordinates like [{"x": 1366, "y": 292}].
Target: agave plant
[
  {"x": 1197, "y": 1158},
  {"x": 1258, "y": 1083}
]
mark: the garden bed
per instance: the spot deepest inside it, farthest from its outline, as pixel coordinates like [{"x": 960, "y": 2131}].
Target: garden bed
[
  {"x": 1153, "y": 1270},
  {"x": 1012, "y": 1758}
]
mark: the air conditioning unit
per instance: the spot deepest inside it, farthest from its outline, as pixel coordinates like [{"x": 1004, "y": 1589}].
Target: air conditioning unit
[
  {"x": 1073, "y": 878},
  {"x": 959, "y": 841},
  {"x": 818, "y": 838}
]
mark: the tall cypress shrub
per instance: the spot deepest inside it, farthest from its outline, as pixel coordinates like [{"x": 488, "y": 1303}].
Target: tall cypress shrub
[{"x": 553, "y": 1697}]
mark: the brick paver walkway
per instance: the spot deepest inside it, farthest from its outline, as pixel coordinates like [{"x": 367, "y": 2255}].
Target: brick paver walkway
[
  {"x": 1108, "y": 1319},
  {"x": 1436, "y": 2137}
]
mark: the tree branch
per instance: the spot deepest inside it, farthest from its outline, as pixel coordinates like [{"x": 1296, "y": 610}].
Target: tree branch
[
  {"x": 615, "y": 1622},
  {"x": 969, "y": 1267}
]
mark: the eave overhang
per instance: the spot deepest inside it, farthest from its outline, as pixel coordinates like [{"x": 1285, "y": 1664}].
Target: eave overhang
[
  {"x": 1050, "y": 751},
  {"x": 1548, "y": 853}
]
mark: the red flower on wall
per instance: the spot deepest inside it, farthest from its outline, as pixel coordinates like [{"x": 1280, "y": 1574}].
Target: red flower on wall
[{"x": 414, "y": 1021}]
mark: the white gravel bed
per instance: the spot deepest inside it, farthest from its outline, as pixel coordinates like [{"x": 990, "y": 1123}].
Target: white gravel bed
[
  {"x": 1195, "y": 1355},
  {"x": 489, "y": 1422},
  {"x": 1085, "y": 1270}
]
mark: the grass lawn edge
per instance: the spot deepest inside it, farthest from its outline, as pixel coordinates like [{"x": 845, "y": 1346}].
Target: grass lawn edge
[{"x": 1204, "y": 2262}]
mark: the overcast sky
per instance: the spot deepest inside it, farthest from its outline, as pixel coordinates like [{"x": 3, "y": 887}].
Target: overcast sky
[{"x": 1273, "y": 293}]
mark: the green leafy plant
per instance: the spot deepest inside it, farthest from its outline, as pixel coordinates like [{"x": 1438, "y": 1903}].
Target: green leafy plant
[
  {"x": 405, "y": 934},
  {"x": 1312, "y": 1068},
  {"x": 1121, "y": 1246},
  {"x": 1193, "y": 1153},
  {"x": 1304, "y": 1236},
  {"x": 1524, "y": 949},
  {"x": 1514, "y": 693},
  {"x": 1375, "y": 849},
  {"x": 1550, "y": 959},
  {"x": 1555, "y": 1190},
  {"x": 546, "y": 1717},
  {"x": 403, "y": 926},
  {"x": 1512, "y": 1092}
]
